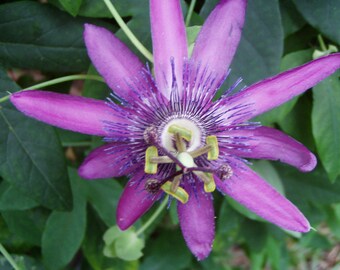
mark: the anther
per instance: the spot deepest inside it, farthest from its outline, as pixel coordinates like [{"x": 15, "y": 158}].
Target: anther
[
  {"x": 180, "y": 194},
  {"x": 150, "y": 153},
  {"x": 208, "y": 180},
  {"x": 214, "y": 152},
  {"x": 224, "y": 172}
]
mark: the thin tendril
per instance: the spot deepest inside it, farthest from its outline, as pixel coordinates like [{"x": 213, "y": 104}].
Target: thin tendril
[
  {"x": 59, "y": 80},
  {"x": 190, "y": 11},
  {"x": 9, "y": 258},
  {"x": 128, "y": 32},
  {"x": 322, "y": 43},
  {"x": 154, "y": 216}
]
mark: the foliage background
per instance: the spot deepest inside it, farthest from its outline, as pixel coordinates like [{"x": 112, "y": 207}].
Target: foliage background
[{"x": 52, "y": 219}]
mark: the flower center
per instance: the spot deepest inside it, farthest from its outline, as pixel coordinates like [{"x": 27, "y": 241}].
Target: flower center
[
  {"x": 189, "y": 130},
  {"x": 181, "y": 142}
]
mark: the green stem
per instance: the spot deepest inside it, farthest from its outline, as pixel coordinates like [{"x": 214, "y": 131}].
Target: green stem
[
  {"x": 8, "y": 257},
  {"x": 153, "y": 217},
  {"x": 322, "y": 43},
  {"x": 128, "y": 32},
  {"x": 59, "y": 80},
  {"x": 190, "y": 11}
]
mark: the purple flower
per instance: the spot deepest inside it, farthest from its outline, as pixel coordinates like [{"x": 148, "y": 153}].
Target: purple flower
[{"x": 170, "y": 136}]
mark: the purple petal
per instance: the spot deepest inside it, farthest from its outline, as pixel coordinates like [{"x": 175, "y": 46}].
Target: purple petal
[
  {"x": 250, "y": 190},
  {"x": 272, "y": 92},
  {"x": 114, "y": 61},
  {"x": 219, "y": 37},
  {"x": 110, "y": 160},
  {"x": 169, "y": 42},
  {"x": 272, "y": 144},
  {"x": 84, "y": 115},
  {"x": 134, "y": 201},
  {"x": 197, "y": 222}
]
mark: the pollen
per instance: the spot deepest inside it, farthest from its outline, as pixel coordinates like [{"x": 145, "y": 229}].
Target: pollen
[{"x": 151, "y": 167}]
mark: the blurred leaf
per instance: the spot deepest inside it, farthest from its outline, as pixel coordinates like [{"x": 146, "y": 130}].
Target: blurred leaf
[
  {"x": 192, "y": 33},
  {"x": 71, "y": 6},
  {"x": 326, "y": 123},
  {"x": 12, "y": 199},
  {"x": 259, "y": 52},
  {"x": 94, "y": 8},
  {"x": 315, "y": 240},
  {"x": 291, "y": 18},
  {"x": 311, "y": 187},
  {"x": 334, "y": 220},
  {"x": 126, "y": 245},
  {"x": 276, "y": 253},
  {"x": 297, "y": 123},
  {"x": 38, "y": 36},
  {"x": 323, "y": 15},
  {"x": 24, "y": 262},
  {"x": 289, "y": 61},
  {"x": 31, "y": 157},
  {"x": 103, "y": 195},
  {"x": 255, "y": 235},
  {"x": 28, "y": 225},
  {"x": 166, "y": 252},
  {"x": 65, "y": 231},
  {"x": 95, "y": 89}
]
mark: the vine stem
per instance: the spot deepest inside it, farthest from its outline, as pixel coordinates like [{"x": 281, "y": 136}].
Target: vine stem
[
  {"x": 128, "y": 32},
  {"x": 59, "y": 80},
  {"x": 153, "y": 217},
  {"x": 190, "y": 11},
  {"x": 9, "y": 258}
]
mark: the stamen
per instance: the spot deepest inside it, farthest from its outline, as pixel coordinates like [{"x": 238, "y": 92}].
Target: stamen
[
  {"x": 183, "y": 132},
  {"x": 214, "y": 152},
  {"x": 175, "y": 183},
  {"x": 150, "y": 153},
  {"x": 180, "y": 194},
  {"x": 201, "y": 151},
  {"x": 161, "y": 160},
  {"x": 208, "y": 180}
]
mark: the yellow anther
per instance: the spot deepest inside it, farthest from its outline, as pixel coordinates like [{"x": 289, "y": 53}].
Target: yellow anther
[
  {"x": 186, "y": 134},
  {"x": 180, "y": 194},
  {"x": 150, "y": 167},
  {"x": 214, "y": 151},
  {"x": 210, "y": 187}
]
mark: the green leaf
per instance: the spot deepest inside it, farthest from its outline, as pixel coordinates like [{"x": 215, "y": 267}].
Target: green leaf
[
  {"x": 95, "y": 89},
  {"x": 289, "y": 61},
  {"x": 24, "y": 262},
  {"x": 261, "y": 46},
  {"x": 103, "y": 195},
  {"x": 323, "y": 15},
  {"x": 166, "y": 252},
  {"x": 65, "y": 231},
  {"x": 326, "y": 123},
  {"x": 71, "y": 6},
  {"x": 38, "y": 36},
  {"x": 31, "y": 158},
  {"x": 12, "y": 199},
  {"x": 28, "y": 225}
]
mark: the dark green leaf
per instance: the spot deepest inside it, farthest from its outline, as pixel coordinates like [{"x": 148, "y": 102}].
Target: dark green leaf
[
  {"x": 28, "y": 225},
  {"x": 292, "y": 20},
  {"x": 64, "y": 231},
  {"x": 255, "y": 235},
  {"x": 167, "y": 252},
  {"x": 71, "y": 6},
  {"x": 38, "y": 36},
  {"x": 12, "y": 199},
  {"x": 24, "y": 262},
  {"x": 323, "y": 15},
  {"x": 95, "y": 89},
  {"x": 326, "y": 123},
  {"x": 31, "y": 157}
]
